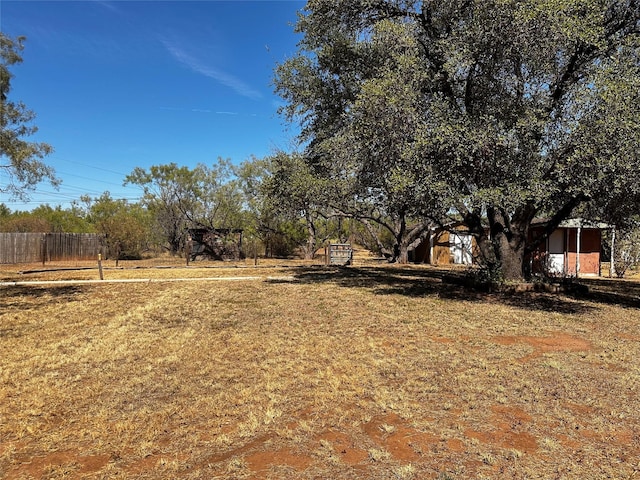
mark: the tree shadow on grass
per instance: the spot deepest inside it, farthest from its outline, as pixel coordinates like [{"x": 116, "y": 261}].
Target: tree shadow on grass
[
  {"x": 20, "y": 298},
  {"x": 413, "y": 282},
  {"x": 624, "y": 293},
  {"x": 36, "y": 296}
]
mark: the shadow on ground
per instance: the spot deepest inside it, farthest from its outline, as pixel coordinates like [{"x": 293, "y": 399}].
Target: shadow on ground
[
  {"x": 613, "y": 291},
  {"x": 433, "y": 282},
  {"x": 13, "y": 297}
]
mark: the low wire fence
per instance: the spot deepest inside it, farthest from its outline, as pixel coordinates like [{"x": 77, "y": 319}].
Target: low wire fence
[{"x": 49, "y": 247}]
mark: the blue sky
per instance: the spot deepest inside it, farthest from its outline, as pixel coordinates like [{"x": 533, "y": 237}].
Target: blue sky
[{"x": 122, "y": 84}]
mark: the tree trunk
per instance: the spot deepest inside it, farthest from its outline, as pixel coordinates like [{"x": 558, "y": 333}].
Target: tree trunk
[
  {"x": 510, "y": 256},
  {"x": 503, "y": 246},
  {"x": 310, "y": 250},
  {"x": 117, "y": 249},
  {"x": 376, "y": 238},
  {"x": 403, "y": 253},
  {"x": 399, "y": 252},
  {"x": 509, "y": 234},
  {"x": 400, "y": 246},
  {"x": 175, "y": 242},
  {"x": 404, "y": 238},
  {"x": 488, "y": 257},
  {"x": 487, "y": 253}
]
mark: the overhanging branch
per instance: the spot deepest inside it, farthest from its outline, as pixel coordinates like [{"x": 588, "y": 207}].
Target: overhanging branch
[{"x": 553, "y": 223}]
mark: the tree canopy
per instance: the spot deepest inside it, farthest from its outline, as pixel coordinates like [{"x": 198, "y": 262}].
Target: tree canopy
[
  {"x": 181, "y": 198},
  {"x": 125, "y": 226},
  {"x": 21, "y": 166},
  {"x": 491, "y": 112}
]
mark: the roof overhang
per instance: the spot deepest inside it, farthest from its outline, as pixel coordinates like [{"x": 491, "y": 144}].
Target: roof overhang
[{"x": 575, "y": 223}]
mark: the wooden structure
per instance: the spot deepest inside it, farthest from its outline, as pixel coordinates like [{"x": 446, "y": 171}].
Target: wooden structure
[
  {"x": 49, "y": 247},
  {"x": 452, "y": 246},
  {"x": 214, "y": 243},
  {"x": 340, "y": 254},
  {"x": 571, "y": 250}
]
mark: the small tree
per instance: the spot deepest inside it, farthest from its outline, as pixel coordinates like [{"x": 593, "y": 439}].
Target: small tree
[
  {"x": 298, "y": 198},
  {"x": 24, "y": 222},
  {"x": 68, "y": 220},
  {"x": 45, "y": 219},
  {"x": 627, "y": 250},
  {"x": 180, "y": 198},
  {"x": 259, "y": 218},
  {"x": 125, "y": 226}
]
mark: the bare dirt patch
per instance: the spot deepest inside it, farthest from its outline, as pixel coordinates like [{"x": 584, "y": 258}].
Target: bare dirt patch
[
  {"x": 260, "y": 462},
  {"x": 556, "y": 342},
  {"x": 507, "y": 425},
  {"x": 402, "y": 442},
  {"x": 344, "y": 446},
  {"x": 64, "y": 463}
]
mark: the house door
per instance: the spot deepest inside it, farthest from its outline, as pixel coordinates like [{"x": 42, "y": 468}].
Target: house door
[
  {"x": 461, "y": 245},
  {"x": 556, "y": 253}
]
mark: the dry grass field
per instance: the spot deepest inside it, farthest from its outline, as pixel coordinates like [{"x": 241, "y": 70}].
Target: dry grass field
[{"x": 300, "y": 371}]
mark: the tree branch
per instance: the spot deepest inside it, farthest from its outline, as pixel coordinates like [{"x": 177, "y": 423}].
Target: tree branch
[{"x": 553, "y": 223}]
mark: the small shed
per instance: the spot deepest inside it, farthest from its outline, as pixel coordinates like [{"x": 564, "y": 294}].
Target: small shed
[
  {"x": 453, "y": 245},
  {"x": 573, "y": 248}
]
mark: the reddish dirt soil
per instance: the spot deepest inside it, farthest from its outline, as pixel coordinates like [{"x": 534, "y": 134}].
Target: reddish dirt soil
[
  {"x": 506, "y": 428},
  {"x": 64, "y": 462},
  {"x": 261, "y": 461},
  {"x": 559, "y": 342},
  {"x": 344, "y": 446},
  {"x": 505, "y": 423},
  {"x": 401, "y": 441}
]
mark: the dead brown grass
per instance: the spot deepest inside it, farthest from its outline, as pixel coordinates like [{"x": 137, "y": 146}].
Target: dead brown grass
[{"x": 375, "y": 372}]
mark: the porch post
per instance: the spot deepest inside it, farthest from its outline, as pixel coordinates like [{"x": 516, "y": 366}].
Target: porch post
[
  {"x": 578, "y": 235},
  {"x": 565, "y": 266},
  {"x": 612, "y": 265},
  {"x": 431, "y": 239}
]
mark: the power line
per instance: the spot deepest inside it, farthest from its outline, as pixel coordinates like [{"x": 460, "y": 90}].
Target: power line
[
  {"x": 92, "y": 166},
  {"x": 89, "y": 178}
]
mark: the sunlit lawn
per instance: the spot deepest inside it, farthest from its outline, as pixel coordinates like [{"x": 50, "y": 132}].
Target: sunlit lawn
[{"x": 307, "y": 372}]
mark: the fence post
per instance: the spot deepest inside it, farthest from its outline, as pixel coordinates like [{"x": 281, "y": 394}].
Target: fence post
[
  {"x": 100, "y": 266},
  {"x": 255, "y": 252},
  {"x": 188, "y": 247},
  {"x": 43, "y": 248}
]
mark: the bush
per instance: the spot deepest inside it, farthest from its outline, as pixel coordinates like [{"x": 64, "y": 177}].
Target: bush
[{"x": 627, "y": 251}]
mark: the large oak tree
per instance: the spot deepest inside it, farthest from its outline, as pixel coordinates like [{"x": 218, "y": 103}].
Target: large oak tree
[{"x": 494, "y": 111}]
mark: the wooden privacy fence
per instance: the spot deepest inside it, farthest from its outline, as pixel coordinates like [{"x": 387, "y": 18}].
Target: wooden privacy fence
[{"x": 49, "y": 247}]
